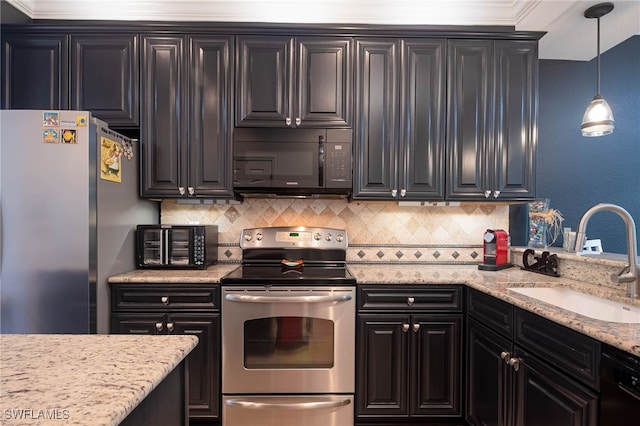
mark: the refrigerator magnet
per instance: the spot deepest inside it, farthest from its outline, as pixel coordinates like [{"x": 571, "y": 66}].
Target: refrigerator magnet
[
  {"x": 50, "y": 136},
  {"x": 81, "y": 121},
  {"x": 110, "y": 160},
  {"x": 51, "y": 119},
  {"x": 69, "y": 136}
]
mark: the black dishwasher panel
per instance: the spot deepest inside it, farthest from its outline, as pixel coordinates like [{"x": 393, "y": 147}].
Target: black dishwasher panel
[{"x": 619, "y": 387}]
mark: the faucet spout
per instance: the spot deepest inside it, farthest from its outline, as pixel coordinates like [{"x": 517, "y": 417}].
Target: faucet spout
[{"x": 629, "y": 274}]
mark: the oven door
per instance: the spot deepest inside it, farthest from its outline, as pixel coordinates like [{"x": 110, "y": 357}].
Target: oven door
[
  {"x": 288, "y": 340},
  {"x": 281, "y": 410}
]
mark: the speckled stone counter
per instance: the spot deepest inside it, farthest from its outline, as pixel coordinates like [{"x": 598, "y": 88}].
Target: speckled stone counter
[
  {"x": 623, "y": 336},
  {"x": 82, "y": 379}
]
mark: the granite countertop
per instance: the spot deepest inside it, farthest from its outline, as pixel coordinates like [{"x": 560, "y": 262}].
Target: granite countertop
[
  {"x": 621, "y": 335},
  {"x": 82, "y": 379}
]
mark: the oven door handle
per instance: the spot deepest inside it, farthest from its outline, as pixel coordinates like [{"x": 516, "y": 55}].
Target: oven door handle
[
  {"x": 288, "y": 406},
  {"x": 287, "y": 299}
]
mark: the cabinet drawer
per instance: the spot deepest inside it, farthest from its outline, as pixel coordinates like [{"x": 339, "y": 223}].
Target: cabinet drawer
[
  {"x": 569, "y": 351},
  {"x": 154, "y": 297},
  {"x": 413, "y": 298},
  {"x": 490, "y": 311}
]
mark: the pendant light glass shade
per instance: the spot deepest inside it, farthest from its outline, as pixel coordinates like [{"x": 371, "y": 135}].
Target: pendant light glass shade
[{"x": 597, "y": 119}]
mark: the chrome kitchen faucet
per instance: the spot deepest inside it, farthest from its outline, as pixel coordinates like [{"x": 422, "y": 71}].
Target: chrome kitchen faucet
[{"x": 629, "y": 274}]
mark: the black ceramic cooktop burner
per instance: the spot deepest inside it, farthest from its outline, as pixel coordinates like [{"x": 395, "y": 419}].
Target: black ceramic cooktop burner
[{"x": 260, "y": 274}]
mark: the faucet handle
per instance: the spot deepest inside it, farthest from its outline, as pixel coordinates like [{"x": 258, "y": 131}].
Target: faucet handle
[{"x": 624, "y": 276}]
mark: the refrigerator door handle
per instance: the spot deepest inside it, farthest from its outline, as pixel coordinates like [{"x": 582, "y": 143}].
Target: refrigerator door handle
[{"x": 165, "y": 261}]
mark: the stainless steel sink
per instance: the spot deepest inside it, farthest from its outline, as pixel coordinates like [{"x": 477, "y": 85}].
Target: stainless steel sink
[{"x": 583, "y": 304}]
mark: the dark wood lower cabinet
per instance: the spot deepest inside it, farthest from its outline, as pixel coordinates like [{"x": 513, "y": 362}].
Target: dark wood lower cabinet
[
  {"x": 513, "y": 383},
  {"x": 136, "y": 310},
  {"x": 408, "y": 363}
]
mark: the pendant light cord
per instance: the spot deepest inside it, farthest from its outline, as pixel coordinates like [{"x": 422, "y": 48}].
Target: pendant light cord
[{"x": 598, "y": 66}]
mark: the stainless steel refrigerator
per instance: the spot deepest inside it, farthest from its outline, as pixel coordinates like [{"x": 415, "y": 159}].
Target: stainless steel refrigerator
[{"x": 69, "y": 205}]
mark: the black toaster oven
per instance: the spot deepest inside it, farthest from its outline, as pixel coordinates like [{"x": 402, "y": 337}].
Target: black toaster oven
[{"x": 176, "y": 246}]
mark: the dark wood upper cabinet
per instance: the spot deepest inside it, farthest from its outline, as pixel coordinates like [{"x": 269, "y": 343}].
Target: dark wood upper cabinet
[
  {"x": 400, "y": 104},
  {"x": 95, "y": 72},
  {"x": 186, "y": 124},
  {"x": 293, "y": 82},
  {"x": 35, "y": 71},
  {"x": 104, "y": 77},
  {"x": 492, "y": 119}
]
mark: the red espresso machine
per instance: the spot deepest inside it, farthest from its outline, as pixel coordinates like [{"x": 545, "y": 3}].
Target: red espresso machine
[{"x": 496, "y": 250}]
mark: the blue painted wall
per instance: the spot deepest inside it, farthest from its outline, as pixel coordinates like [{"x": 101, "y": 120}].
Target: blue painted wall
[{"x": 576, "y": 172}]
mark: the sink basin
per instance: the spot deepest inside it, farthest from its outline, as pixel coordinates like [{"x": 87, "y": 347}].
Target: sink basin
[{"x": 583, "y": 304}]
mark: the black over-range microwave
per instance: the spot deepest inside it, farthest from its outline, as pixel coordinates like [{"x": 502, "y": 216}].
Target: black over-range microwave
[
  {"x": 176, "y": 246},
  {"x": 290, "y": 161}
]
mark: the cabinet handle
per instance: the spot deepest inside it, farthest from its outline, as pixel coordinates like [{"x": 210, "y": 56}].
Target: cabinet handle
[
  {"x": 164, "y": 300},
  {"x": 496, "y": 194},
  {"x": 192, "y": 191},
  {"x": 515, "y": 363},
  {"x": 403, "y": 192},
  {"x": 159, "y": 327},
  {"x": 487, "y": 194},
  {"x": 394, "y": 193},
  {"x": 170, "y": 327},
  {"x": 181, "y": 190},
  {"x": 298, "y": 121},
  {"x": 416, "y": 327},
  {"x": 287, "y": 121},
  {"x": 505, "y": 357},
  {"x": 405, "y": 327},
  {"x": 410, "y": 301}
]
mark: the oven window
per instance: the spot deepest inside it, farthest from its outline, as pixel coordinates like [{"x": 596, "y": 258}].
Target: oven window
[{"x": 288, "y": 342}]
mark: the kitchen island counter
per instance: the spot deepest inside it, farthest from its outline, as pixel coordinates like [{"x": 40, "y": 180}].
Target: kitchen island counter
[{"x": 83, "y": 379}]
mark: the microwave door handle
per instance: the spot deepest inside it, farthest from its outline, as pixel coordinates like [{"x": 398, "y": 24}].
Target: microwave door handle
[
  {"x": 321, "y": 161},
  {"x": 287, "y": 299},
  {"x": 288, "y": 406}
]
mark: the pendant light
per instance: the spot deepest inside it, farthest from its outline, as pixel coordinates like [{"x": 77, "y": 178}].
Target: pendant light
[{"x": 598, "y": 118}]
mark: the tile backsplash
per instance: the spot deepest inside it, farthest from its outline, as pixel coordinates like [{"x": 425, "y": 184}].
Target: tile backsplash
[{"x": 377, "y": 231}]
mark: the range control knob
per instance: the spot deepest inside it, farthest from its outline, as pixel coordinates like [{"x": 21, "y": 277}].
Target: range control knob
[
  {"x": 339, "y": 238},
  {"x": 247, "y": 236},
  {"x": 317, "y": 236},
  {"x": 328, "y": 237},
  {"x": 259, "y": 236}
]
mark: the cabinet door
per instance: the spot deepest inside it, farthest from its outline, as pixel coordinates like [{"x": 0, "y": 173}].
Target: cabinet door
[
  {"x": 382, "y": 366},
  {"x": 546, "y": 397},
  {"x": 264, "y": 81},
  {"x": 204, "y": 362},
  {"x": 489, "y": 379},
  {"x": 163, "y": 116},
  {"x": 469, "y": 118},
  {"x": 211, "y": 103},
  {"x": 324, "y": 82},
  {"x": 421, "y": 156},
  {"x": 35, "y": 71},
  {"x": 104, "y": 76},
  {"x": 516, "y": 67},
  {"x": 376, "y": 127},
  {"x": 435, "y": 365}
]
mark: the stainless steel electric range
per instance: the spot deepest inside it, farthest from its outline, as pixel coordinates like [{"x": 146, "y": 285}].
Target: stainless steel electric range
[{"x": 288, "y": 330}]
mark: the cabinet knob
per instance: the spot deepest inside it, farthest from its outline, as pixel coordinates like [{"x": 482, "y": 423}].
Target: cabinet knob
[
  {"x": 403, "y": 192},
  {"x": 298, "y": 121},
  {"x": 410, "y": 301},
  {"x": 505, "y": 356},
  {"x": 496, "y": 194},
  {"x": 487, "y": 194},
  {"x": 181, "y": 190},
  {"x": 416, "y": 327},
  {"x": 192, "y": 191},
  {"x": 394, "y": 193},
  {"x": 405, "y": 327},
  {"x": 164, "y": 300},
  {"x": 159, "y": 327},
  {"x": 515, "y": 363},
  {"x": 287, "y": 121},
  {"x": 170, "y": 327}
]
